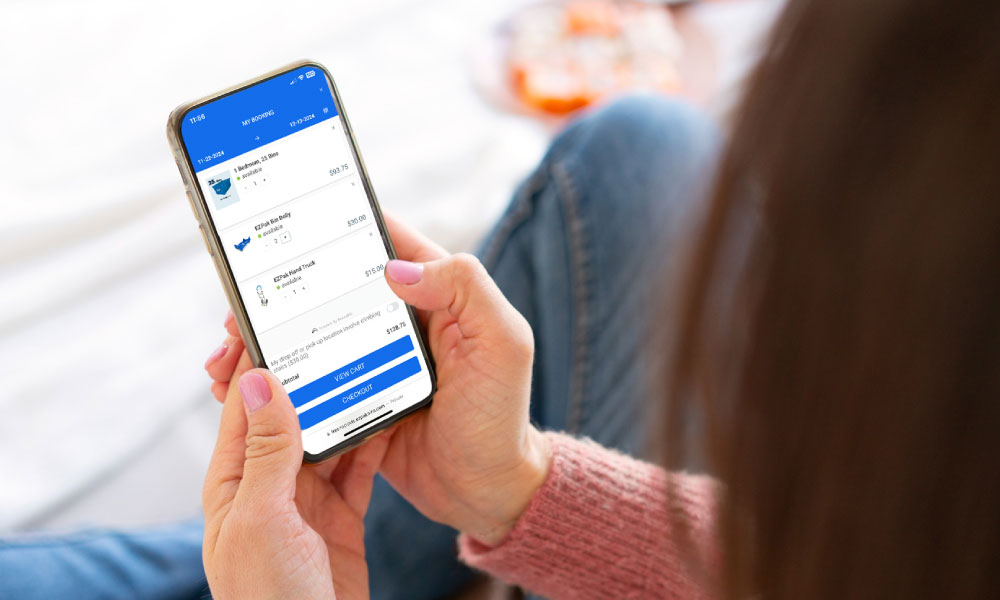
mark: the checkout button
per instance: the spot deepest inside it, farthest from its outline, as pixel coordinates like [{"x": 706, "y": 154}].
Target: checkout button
[{"x": 362, "y": 391}]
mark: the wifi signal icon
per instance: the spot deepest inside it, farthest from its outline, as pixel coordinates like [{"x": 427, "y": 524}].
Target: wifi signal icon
[{"x": 300, "y": 77}]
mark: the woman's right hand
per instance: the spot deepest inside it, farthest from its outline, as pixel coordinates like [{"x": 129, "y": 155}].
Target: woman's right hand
[{"x": 473, "y": 460}]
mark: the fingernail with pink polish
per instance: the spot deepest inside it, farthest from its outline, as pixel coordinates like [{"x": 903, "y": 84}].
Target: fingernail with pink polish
[
  {"x": 404, "y": 271},
  {"x": 255, "y": 391},
  {"x": 216, "y": 354}
]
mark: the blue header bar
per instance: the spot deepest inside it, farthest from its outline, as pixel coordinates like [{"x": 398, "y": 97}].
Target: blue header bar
[{"x": 245, "y": 120}]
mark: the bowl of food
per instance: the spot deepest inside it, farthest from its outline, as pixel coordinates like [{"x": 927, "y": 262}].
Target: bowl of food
[{"x": 555, "y": 58}]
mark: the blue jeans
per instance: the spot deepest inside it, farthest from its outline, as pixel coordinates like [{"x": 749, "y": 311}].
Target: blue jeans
[{"x": 579, "y": 252}]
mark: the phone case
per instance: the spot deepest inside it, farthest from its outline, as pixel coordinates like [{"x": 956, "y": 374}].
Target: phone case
[{"x": 214, "y": 245}]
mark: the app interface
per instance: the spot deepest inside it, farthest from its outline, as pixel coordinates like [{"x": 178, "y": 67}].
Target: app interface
[{"x": 286, "y": 197}]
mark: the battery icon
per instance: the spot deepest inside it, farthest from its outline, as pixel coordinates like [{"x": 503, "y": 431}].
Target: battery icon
[{"x": 310, "y": 74}]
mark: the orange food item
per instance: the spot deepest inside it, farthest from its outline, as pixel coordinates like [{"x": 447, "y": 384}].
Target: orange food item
[
  {"x": 555, "y": 91},
  {"x": 564, "y": 56},
  {"x": 593, "y": 18}
]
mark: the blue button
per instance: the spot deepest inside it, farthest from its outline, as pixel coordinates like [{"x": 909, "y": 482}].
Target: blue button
[
  {"x": 351, "y": 371},
  {"x": 362, "y": 391}
]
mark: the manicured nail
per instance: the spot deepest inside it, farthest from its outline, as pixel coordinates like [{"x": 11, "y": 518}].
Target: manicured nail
[
  {"x": 404, "y": 271},
  {"x": 216, "y": 354},
  {"x": 255, "y": 391}
]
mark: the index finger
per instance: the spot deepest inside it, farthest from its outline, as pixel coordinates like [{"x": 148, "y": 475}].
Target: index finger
[
  {"x": 410, "y": 244},
  {"x": 230, "y": 324},
  {"x": 413, "y": 246}
]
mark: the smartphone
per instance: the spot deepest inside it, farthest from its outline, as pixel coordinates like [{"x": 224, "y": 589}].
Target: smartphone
[{"x": 287, "y": 212}]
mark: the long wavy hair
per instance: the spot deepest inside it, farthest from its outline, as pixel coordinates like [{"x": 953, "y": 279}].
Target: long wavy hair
[{"x": 839, "y": 315}]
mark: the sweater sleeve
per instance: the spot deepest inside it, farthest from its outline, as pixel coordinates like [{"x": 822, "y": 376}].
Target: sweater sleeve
[{"x": 601, "y": 527}]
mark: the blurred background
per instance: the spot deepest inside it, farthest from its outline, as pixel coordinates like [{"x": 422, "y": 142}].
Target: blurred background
[{"x": 110, "y": 303}]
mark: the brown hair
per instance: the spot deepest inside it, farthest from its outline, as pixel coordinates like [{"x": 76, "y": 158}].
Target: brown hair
[{"x": 839, "y": 319}]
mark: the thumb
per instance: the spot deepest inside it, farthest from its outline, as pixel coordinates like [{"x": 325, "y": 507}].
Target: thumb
[
  {"x": 458, "y": 284},
  {"x": 273, "y": 441}
]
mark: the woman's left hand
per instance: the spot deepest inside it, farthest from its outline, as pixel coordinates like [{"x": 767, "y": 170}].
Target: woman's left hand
[{"x": 275, "y": 528}]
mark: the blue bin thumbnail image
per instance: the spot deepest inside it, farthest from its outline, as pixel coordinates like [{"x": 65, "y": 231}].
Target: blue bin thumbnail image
[
  {"x": 223, "y": 193},
  {"x": 223, "y": 186}
]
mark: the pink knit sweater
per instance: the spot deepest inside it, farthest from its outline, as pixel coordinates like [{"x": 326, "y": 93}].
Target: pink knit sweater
[{"x": 599, "y": 528}]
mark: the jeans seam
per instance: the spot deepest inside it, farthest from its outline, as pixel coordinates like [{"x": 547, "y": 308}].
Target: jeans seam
[
  {"x": 518, "y": 214},
  {"x": 580, "y": 267}
]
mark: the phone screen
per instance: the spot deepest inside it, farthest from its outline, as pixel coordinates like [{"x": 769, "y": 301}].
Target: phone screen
[{"x": 293, "y": 212}]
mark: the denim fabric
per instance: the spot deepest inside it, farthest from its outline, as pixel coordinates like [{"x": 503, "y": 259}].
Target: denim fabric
[
  {"x": 577, "y": 253},
  {"x": 153, "y": 564}
]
